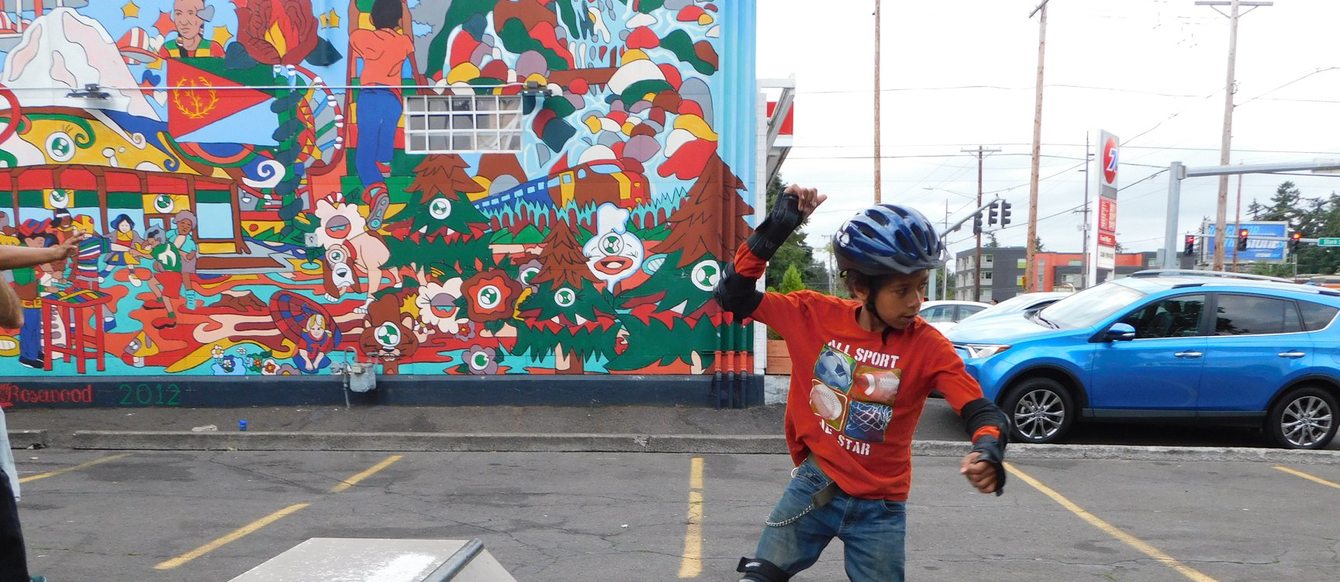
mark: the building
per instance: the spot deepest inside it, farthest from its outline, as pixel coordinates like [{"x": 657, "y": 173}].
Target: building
[
  {"x": 477, "y": 198},
  {"x": 1002, "y": 271}
]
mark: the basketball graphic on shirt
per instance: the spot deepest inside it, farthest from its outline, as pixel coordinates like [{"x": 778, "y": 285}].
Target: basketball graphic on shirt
[
  {"x": 834, "y": 369},
  {"x": 866, "y": 421}
]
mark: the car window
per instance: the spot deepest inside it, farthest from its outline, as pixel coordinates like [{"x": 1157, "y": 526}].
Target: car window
[
  {"x": 1315, "y": 315},
  {"x": 1254, "y": 315},
  {"x": 1091, "y": 305},
  {"x": 1171, "y": 317},
  {"x": 938, "y": 313},
  {"x": 966, "y": 310}
]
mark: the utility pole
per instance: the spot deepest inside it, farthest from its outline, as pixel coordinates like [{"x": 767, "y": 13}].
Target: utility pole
[
  {"x": 1084, "y": 261},
  {"x": 877, "y": 125},
  {"x": 1229, "y": 90},
  {"x": 980, "y": 152},
  {"x": 1030, "y": 270},
  {"x": 944, "y": 294},
  {"x": 1237, "y": 221}
]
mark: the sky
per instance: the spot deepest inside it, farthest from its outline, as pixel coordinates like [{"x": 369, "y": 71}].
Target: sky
[{"x": 956, "y": 74}]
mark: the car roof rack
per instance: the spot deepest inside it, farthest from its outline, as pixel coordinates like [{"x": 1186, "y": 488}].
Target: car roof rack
[{"x": 1219, "y": 274}]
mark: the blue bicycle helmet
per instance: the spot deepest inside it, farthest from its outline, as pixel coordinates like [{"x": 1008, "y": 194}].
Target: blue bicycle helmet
[{"x": 886, "y": 239}]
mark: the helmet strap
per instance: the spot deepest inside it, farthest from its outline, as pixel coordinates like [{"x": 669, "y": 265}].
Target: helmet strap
[{"x": 870, "y": 307}]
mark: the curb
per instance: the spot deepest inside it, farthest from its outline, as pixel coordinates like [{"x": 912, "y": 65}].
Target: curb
[
  {"x": 635, "y": 443},
  {"x": 428, "y": 442},
  {"x": 28, "y": 439}
]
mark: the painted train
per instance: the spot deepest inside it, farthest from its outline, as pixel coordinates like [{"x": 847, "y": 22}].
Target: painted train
[{"x": 599, "y": 182}]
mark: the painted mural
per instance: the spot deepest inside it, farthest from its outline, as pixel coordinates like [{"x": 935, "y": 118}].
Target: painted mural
[{"x": 242, "y": 166}]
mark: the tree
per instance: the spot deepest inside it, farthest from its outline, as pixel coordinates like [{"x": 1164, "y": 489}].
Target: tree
[
  {"x": 791, "y": 280},
  {"x": 1286, "y": 204},
  {"x": 1037, "y": 245}
]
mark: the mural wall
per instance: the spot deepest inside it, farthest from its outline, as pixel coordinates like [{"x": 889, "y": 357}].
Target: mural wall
[{"x": 243, "y": 166}]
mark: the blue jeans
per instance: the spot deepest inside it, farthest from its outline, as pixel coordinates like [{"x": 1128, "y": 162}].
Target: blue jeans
[
  {"x": 379, "y": 111},
  {"x": 30, "y": 335},
  {"x": 871, "y": 530}
]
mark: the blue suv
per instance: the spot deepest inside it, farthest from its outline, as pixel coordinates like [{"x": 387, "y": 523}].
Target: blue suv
[{"x": 1167, "y": 345}]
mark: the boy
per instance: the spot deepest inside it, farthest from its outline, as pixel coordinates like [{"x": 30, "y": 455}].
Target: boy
[
  {"x": 13, "y": 558},
  {"x": 849, "y": 423}
]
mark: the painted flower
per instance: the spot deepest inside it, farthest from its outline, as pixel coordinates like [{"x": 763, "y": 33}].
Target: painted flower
[
  {"x": 270, "y": 367},
  {"x": 339, "y": 221},
  {"x": 491, "y": 295},
  {"x": 527, "y": 271},
  {"x": 481, "y": 360},
  {"x": 437, "y": 305}
]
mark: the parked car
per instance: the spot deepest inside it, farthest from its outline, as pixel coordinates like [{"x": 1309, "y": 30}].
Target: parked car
[
  {"x": 1166, "y": 345},
  {"x": 1022, "y": 302},
  {"x": 942, "y": 315}
]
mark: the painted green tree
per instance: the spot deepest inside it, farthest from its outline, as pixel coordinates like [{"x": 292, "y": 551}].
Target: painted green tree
[
  {"x": 567, "y": 314},
  {"x": 676, "y": 301},
  {"x": 441, "y": 230}
]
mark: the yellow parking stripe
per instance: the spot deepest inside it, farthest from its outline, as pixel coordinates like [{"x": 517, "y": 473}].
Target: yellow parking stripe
[
  {"x": 97, "y": 461},
  {"x": 1312, "y": 478},
  {"x": 1128, "y": 539},
  {"x": 350, "y": 482},
  {"x": 236, "y": 534},
  {"x": 243, "y": 531},
  {"x": 691, "y": 565}
]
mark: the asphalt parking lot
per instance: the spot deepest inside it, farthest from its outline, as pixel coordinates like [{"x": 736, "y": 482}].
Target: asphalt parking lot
[{"x": 185, "y": 515}]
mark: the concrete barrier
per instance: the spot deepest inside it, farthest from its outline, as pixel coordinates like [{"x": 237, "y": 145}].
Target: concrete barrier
[{"x": 634, "y": 443}]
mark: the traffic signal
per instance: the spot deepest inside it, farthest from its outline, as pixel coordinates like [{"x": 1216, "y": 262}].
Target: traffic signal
[
  {"x": 993, "y": 215},
  {"x": 1242, "y": 239},
  {"x": 1295, "y": 239},
  {"x": 977, "y": 223},
  {"x": 1189, "y": 245},
  {"x": 1004, "y": 213}
]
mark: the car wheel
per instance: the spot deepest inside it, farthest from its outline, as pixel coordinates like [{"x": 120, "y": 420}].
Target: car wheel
[
  {"x": 1041, "y": 411},
  {"x": 1303, "y": 419}
]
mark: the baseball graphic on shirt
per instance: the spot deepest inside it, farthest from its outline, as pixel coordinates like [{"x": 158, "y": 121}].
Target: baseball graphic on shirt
[
  {"x": 824, "y": 403},
  {"x": 834, "y": 369},
  {"x": 827, "y": 404}
]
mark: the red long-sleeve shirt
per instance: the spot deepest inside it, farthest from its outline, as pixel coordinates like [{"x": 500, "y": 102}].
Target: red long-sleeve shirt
[{"x": 844, "y": 406}]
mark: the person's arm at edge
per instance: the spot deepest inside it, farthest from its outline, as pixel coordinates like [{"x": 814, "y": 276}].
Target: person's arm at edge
[
  {"x": 12, "y": 257},
  {"x": 11, "y": 310}
]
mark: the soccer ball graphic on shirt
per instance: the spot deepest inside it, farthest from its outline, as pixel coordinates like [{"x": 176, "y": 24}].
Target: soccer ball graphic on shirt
[{"x": 834, "y": 369}]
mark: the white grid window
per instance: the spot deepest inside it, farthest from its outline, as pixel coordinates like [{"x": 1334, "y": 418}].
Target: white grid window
[{"x": 441, "y": 124}]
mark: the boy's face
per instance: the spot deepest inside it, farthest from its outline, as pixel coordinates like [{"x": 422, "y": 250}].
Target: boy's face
[{"x": 899, "y": 300}]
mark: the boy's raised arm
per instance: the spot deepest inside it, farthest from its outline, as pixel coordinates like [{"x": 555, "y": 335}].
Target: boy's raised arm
[{"x": 737, "y": 291}]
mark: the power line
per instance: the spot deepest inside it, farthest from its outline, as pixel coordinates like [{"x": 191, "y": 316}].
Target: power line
[{"x": 1072, "y": 145}]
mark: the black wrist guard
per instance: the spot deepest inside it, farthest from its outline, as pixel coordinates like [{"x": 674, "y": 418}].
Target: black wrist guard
[
  {"x": 737, "y": 294},
  {"x": 782, "y": 220},
  {"x": 993, "y": 452},
  {"x": 982, "y": 413}
]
